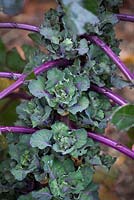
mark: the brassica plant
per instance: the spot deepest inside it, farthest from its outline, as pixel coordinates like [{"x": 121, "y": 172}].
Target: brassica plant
[{"x": 53, "y": 148}]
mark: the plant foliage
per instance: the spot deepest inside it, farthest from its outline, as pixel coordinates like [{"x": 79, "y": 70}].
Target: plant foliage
[{"x": 58, "y": 161}]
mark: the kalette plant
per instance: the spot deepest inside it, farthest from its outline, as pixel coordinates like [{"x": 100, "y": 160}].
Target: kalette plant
[{"x": 53, "y": 148}]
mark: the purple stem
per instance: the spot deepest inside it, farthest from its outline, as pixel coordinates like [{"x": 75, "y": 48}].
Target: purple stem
[
  {"x": 97, "y": 41},
  {"x": 112, "y": 143},
  {"x": 16, "y": 129},
  {"x": 125, "y": 17},
  {"x": 108, "y": 93},
  {"x": 13, "y": 87},
  {"x": 93, "y": 39},
  {"x": 97, "y": 137},
  {"x": 19, "y": 26},
  {"x": 11, "y": 75},
  {"x": 37, "y": 71}
]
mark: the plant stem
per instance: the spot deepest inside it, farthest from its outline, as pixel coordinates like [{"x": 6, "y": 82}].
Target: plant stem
[
  {"x": 97, "y": 41},
  {"x": 16, "y": 129},
  {"x": 111, "y": 95},
  {"x": 93, "y": 39},
  {"x": 125, "y": 17},
  {"x": 37, "y": 71},
  {"x": 112, "y": 143},
  {"x": 95, "y": 136},
  {"x": 13, "y": 87},
  {"x": 11, "y": 75},
  {"x": 50, "y": 64},
  {"x": 19, "y": 26}
]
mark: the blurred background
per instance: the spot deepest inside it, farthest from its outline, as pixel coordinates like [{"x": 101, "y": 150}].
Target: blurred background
[{"x": 118, "y": 184}]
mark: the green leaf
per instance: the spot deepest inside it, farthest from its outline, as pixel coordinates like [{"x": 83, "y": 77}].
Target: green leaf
[
  {"x": 59, "y": 128},
  {"x": 83, "y": 47},
  {"x": 50, "y": 34},
  {"x": 67, "y": 44},
  {"x": 75, "y": 179},
  {"x": 26, "y": 197},
  {"x": 118, "y": 82},
  {"x": 55, "y": 188},
  {"x": 19, "y": 173},
  {"x": 41, "y": 139},
  {"x": 81, "y": 136},
  {"x": 54, "y": 76},
  {"x": 80, "y": 106},
  {"x": 87, "y": 173},
  {"x": 82, "y": 82},
  {"x": 77, "y": 13},
  {"x": 37, "y": 87},
  {"x": 39, "y": 117},
  {"x": 43, "y": 194},
  {"x": 123, "y": 117},
  {"x": 96, "y": 161}
]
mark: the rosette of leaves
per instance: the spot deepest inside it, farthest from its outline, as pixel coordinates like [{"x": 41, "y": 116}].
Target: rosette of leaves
[
  {"x": 63, "y": 91},
  {"x": 56, "y": 163},
  {"x": 25, "y": 160},
  {"x": 34, "y": 112},
  {"x": 56, "y": 38},
  {"x": 61, "y": 37},
  {"x": 96, "y": 114}
]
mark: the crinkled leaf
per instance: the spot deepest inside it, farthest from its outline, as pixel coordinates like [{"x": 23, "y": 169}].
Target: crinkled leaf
[
  {"x": 54, "y": 76},
  {"x": 20, "y": 173},
  {"x": 80, "y": 106},
  {"x": 123, "y": 117},
  {"x": 83, "y": 47},
  {"x": 87, "y": 173},
  {"x": 59, "y": 128},
  {"x": 81, "y": 136},
  {"x": 53, "y": 166},
  {"x": 82, "y": 82},
  {"x": 50, "y": 34},
  {"x": 41, "y": 139},
  {"x": 63, "y": 150},
  {"x": 67, "y": 44},
  {"x": 75, "y": 179},
  {"x": 55, "y": 188},
  {"x": 39, "y": 117}
]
